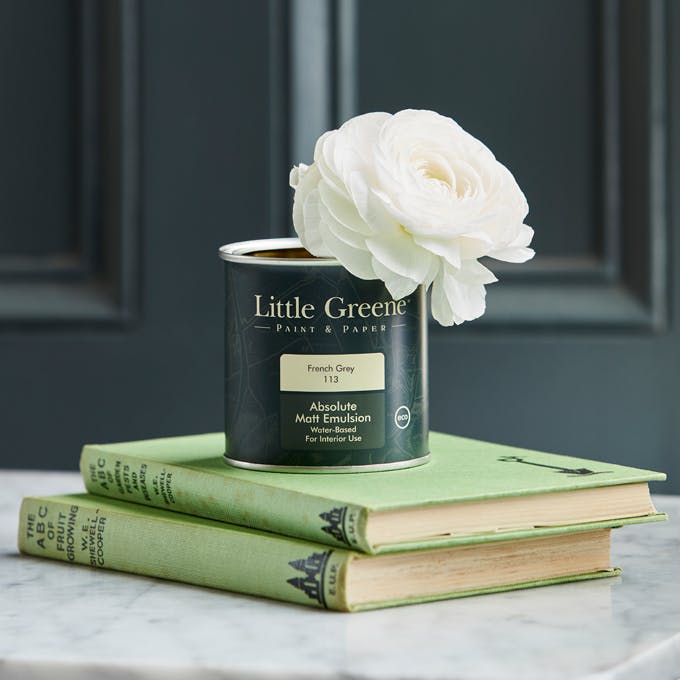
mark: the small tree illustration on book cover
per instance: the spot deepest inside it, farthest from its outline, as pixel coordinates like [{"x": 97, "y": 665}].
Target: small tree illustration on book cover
[
  {"x": 312, "y": 582},
  {"x": 412, "y": 199}
]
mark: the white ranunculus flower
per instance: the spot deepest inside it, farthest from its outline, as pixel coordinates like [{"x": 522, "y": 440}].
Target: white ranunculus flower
[{"x": 412, "y": 199}]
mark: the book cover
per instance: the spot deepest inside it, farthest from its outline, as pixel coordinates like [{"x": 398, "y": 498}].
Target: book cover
[
  {"x": 106, "y": 533},
  {"x": 188, "y": 474}
]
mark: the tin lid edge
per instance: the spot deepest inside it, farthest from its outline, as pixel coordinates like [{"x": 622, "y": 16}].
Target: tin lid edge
[{"x": 240, "y": 251}]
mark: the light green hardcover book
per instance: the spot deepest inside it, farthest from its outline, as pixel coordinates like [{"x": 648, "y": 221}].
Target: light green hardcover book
[
  {"x": 468, "y": 488},
  {"x": 101, "y": 532}
]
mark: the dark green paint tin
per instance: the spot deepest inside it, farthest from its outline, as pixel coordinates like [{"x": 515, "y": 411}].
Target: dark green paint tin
[{"x": 324, "y": 372}]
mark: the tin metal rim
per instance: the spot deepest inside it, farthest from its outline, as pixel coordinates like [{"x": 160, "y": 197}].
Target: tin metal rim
[
  {"x": 242, "y": 251},
  {"x": 311, "y": 469}
]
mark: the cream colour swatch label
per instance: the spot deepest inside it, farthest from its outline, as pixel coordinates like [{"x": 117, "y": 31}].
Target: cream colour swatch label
[{"x": 332, "y": 372}]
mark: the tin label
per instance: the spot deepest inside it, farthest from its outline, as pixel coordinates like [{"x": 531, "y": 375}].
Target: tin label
[
  {"x": 329, "y": 422},
  {"x": 346, "y": 409},
  {"x": 332, "y": 372}
]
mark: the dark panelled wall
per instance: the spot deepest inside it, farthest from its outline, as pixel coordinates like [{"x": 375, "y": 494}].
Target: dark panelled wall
[
  {"x": 142, "y": 135},
  {"x": 200, "y": 90}
]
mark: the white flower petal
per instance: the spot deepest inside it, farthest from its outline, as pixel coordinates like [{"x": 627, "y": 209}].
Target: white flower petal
[
  {"x": 474, "y": 245},
  {"x": 365, "y": 129},
  {"x": 354, "y": 260},
  {"x": 307, "y": 182},
  {"x": 343, "y": 209},
  {"x": 401, "y": 255},
  {"x": 515, "y": 255},
  {"x": 351, "y": 238},
  {"x": 296, "y": 174},
  {"x": 357, "y": 138},
  {"x": 372, "y": 209},
  {"x": 435, "y": 266},
  {"x": 473, "y": 272},
  {"x": 442, "y": 311},
  {"x": 467, "y": 299},
  {"x": 449, "y": 249},
  {"x": 323, "y": 160},
  {"x": 398, "y": 286},
  {"x": 455, "y": 301},
  {"x": 516, "y": 250},
  {"x": 310, "y": 234}
]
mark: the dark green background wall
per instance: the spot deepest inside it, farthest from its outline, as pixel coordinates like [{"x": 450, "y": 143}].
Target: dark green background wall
[{"x": 139, "y": 136}]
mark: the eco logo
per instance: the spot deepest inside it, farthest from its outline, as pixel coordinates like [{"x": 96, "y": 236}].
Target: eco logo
[
  {"x": 314, "y": 570},
  {"x": 572, "y": 472},
  {"x": 402, "y": 417},
  {"x": 335, "y": 526}
]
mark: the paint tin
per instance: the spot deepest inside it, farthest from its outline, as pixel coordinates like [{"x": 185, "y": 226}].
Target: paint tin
[{"x": 324, "y": 372}]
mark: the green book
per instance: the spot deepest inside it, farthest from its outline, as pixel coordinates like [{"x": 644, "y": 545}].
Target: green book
[
  {"x": 468, "y": 488},
  {"x": 101, "y": 532}
]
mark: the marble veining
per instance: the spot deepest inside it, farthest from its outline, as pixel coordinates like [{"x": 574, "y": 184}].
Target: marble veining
[{"x": 59, "y": 620}]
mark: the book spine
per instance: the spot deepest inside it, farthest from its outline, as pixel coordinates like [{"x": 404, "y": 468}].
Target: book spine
[
  {"x": 164, "y": 545},
  {"x": 199, "y": 492}
]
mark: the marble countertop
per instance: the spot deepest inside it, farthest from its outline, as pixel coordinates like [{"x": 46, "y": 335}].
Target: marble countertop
[{"x": 59, "y": 620}]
